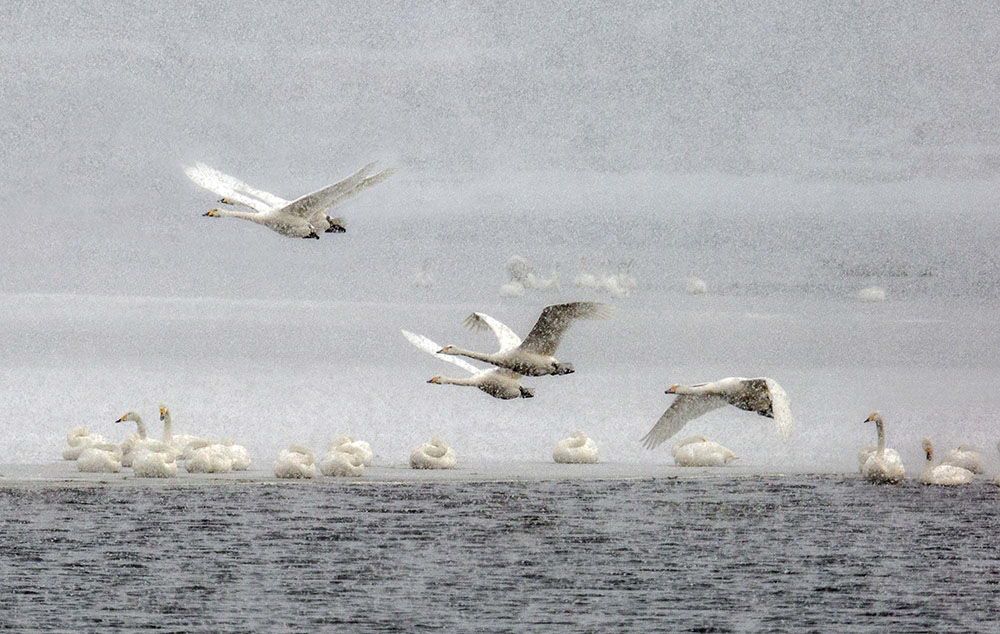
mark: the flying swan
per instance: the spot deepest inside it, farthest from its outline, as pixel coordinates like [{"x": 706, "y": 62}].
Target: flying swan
[
  {"x": 533, "y": 356},
  {"x": 878, "y": 464},
  {"x": 942, "y": 474},
  {"x": 497, "y": 382},
  {"x": 303, "y": 217},
  {"x": 761, "y": 395}
]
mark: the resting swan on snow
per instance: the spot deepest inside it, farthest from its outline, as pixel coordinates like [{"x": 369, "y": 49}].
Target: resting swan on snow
[
  {"x": 965, "y": 457},
  {"x": 100, "y": 458},
  {"x": 205, "y": 456},
  {"x": 533, "y": 356},
  {"x": 77, "y": 441},
  {"x": 132, "y": 446},
  {"x": 300, "y": 218},
  {"x": 497, "y": 382},
  {"x": 760, "y": 395},
  {"x": 177, "y": 441},
  {"x": 342, "y": 464},
  {"x": 696, "y": 451},
  {"x": 433, "y": 455},
  {"x": 878, "y": 464},
  {"x": 359, "y": 448},
  {"x": 577, "y": 449},
  {"x": 295, "y": 462},
  {"x": 942, "y": 474}
]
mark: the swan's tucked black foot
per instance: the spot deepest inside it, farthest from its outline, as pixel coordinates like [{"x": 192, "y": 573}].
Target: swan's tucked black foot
[
  {"x": 312, "y": 235},
  {"x": 335, "y": 226},
  {"x": 564, "y": 368},
  {"x": 527, "y": 392}
]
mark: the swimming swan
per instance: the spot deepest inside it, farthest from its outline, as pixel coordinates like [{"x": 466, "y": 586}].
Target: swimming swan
[
  {"x": 942, "y": 474},
  {"x": 300, "y": 218},
  {"x": 433, "y": 455},
  {"x": 497, "y": 382},
  {"x": 696, "y": 451},
  {"x": 576, "y": 449},
  {"x": 533, "y": 356},
  {"x": 761, "y": 395},
  {"x": 342, "y": 464},
  {"x": 100, "y": 458},
  {"x": 78, "y": 440},
  {"x": 964, "y": 456},
  {"x": 880, "y": 465},
  {"x": 295, "y": 462}
]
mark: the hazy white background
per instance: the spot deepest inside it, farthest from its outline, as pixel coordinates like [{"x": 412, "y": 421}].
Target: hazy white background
[{"x": 788, "y": 154}]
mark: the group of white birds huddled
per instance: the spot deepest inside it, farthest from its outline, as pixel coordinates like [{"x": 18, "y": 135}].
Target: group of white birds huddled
[
  {"x": 344, "y": 457},
  {"x": 882, "y": 465},
  {"x": 151, "y": 457},
  {"x": 619, "y": 284}
]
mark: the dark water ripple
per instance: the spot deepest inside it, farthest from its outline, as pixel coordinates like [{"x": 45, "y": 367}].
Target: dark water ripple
[{"x": 740, "y": 554}]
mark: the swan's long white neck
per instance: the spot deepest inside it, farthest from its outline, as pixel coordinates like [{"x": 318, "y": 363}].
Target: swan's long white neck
[
  {"x": 140, "y": 426},
  {"x": 168, "y": 426},
  {"x": 465, "y": 381},
  {"x": 233, "y": 213},
  {"x": 472, "y": 354},
  {"x": 881, "y": 436}
]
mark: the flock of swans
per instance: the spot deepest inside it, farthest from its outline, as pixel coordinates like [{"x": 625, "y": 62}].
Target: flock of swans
[{"x": 534, "y": 356}]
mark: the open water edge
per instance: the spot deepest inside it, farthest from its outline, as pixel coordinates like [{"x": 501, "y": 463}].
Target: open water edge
[{"x": 719, "y": 554}]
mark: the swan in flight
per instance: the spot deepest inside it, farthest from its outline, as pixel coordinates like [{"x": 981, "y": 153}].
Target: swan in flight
[
  {"x": 497, "y": 382},
  {"x": 760, "y": 395},
  {"x": 964, "y": 456},
  {"x": 878, "y": 464},
  {"x": 100, "y": 458},
  {"x": 359, "y": 448},
  {"x": 433, "y": 455},
  {"x": 576, "y": 449},
  {"x": 295, "y": 462},
  {"x": 303, "y": 217},
  {"x": 78, "y": 440},
  {"x": 696, "y": 451},
  {"x": 942, "y": 474},
  {"x": 339, "y": 463},
  {"x": 533, "y": 356}
]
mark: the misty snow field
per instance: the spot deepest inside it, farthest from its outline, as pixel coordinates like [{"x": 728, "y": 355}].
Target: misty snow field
[{"x": 802, "y": 191}]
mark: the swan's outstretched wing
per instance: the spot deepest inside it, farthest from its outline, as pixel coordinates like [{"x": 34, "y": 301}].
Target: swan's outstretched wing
[
  {"x": 685, "y": 407},
  {"x": 544, "y": 338},
  {"x": 781, "y": 408},
  {"x": 233, "y": 188},
  {"x": 431, "y": 348},
  {"x": 367, "y": 182},
  {"x": 506, "y": 337},
  {"x": 321, "y": 199}
]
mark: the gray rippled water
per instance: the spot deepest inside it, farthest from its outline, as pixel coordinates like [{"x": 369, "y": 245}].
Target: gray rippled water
[{"x": 712, "y": 554}]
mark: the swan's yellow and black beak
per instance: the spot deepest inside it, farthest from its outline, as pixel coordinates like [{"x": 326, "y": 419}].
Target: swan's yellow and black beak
[
  {"x": 122, "y": 419},
  {"x": 225, "y": 201},
  {"x": 672, "y": 389},
  {"x": 163, "y": 413},
  {"x": 435, "y": 379},
  {"x": 210, "y": 212}
]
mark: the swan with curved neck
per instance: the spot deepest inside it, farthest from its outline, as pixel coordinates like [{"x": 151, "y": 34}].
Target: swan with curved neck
[
  {"x": 881, "y": 466},
  {"x": 942, "y": 474},
  {"x": 578, "y": 448},
  {"x": 178, "y": 441}
]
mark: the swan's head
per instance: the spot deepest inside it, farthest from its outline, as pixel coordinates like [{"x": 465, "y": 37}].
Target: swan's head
[
  {"x": 874, "y": 416},
  {"x": 928, "y": 449},
  {"x": 226, "y": 201},
  {"x": 562, "y": 368},
  {"x": 163, "y": 411},
  {"x": 132, "y": 416},
  {"x": 211, "y": 213},
  {"x": 447, "y": 350},
  {"x": 672, "y": 389},
  {"x": 435, "y": 379}
]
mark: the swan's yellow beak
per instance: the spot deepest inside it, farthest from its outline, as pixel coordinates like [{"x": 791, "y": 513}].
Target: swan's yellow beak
[
  {"x": 122, "y": 419},
  {"x": 435, "y": 379},
  {"x": 163, "y": 413},
  {"x": 672, "y": 389},
  {"x": 210, "y": 212},
  {"x": 225, "y": 201},
  {"x": 870, "y": 418}
]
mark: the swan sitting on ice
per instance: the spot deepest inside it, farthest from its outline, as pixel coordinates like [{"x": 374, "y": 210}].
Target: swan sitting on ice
[
  {"x": 942, "y": 474},
  {"x": 533, "y": 356},
  {"x": 342, "y": 464},
  {"x": 79, "y": 439},
  {"x": 239, "y": 454},
  {"x": 965, "y": 457},
  {"x": 761, "y": 395},
  {"x": 696, "y": 451},
  {"x": 695, "y": 286},
  {"x": 433, "y": 455},
  {"x": 576, "y": 449},
  {"x": 100, "y": 458},
  {"x": 300, "y": 218},
  {"x": 205, "y": 456},
  {"x": 360, "y": 448},
  {"x": 295, "y": 462},
  {"x": 878, "y": 464},
  {"x": 132, "y": 445},
  {"x": 149, "y": 462},
  {"x": 177, "y": 441},
  {"x": 497, "y": 382}
]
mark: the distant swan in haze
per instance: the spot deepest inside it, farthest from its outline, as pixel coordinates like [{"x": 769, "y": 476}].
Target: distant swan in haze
[
  {"x": 760, "y": 395},
  {"x": 79, "y": 439},
  {"x": 942, "y": 474},
  {"x": 295, "y": 462},
  {"x": 300, "y": 218},
  {"x": 878, "y": 464},
  {"x": 695, "y": 286},
  {"x": 872, "y": 294},
  {"x": 497, "y": 382},
  {"x": 696, "y": 451},
  {"x": 576, "y": 449},
  {"x": 533, "y": 356},
  {"x": 100, "y": 458},
  {"x": 965, "y": 457},
  {"x": 433, "y": 455}
]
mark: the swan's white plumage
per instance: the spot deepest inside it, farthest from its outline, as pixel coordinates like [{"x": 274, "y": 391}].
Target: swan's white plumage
[
  {"x": 695, "y": 286},
  {"x": 360, "y": 448},
  {"x": 78, "y": 440},
  {"x": 338, "y": 463},
  {"x": 965, "y": 457},
  {"x": 152, "y": 460},
  {"x": 696, "y": 451},
  {"x": 239, "y": 455},
  {"x": 177, "y": 441},
  {"x": 205, "y": 456},
  {"x": 433, "y": 455},
  {"x": 578, "y": 448},
  {"x": 878, "y": 464},
  {"x": 295, "y": 462},
  {"x": 946, "y": 475},
  {"x": 100, "y": 458},
  {"x": 872, "y": 294}
]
